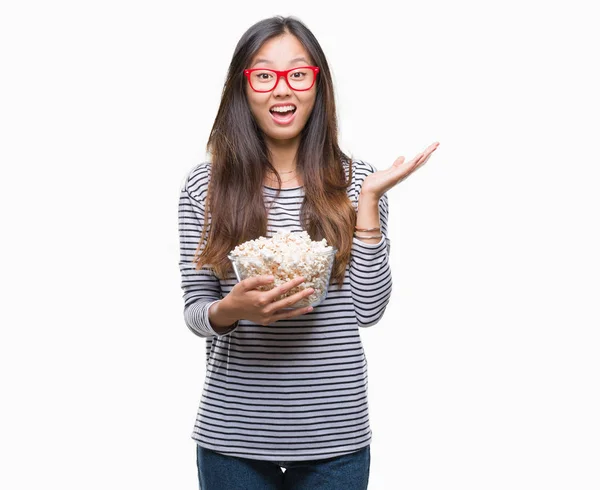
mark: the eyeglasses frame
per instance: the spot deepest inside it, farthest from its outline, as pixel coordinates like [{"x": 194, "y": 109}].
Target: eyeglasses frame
[{"x": 280, "y": 74}]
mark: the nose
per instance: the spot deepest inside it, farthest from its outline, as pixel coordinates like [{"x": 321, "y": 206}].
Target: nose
[{"x": 281, "y": 87}]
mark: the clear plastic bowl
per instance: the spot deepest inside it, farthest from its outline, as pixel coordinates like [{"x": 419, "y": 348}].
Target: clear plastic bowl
[{"x": 315, "y": 267}]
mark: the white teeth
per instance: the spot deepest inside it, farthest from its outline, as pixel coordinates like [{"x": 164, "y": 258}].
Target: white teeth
[{"x": 283, "y": 108}]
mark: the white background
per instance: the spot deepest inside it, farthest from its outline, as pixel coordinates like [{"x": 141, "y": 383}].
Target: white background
[{"x": 484, "y": 372}]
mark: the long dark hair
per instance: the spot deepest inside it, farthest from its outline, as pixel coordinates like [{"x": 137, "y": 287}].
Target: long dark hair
[{"x": 240, "y": 160}]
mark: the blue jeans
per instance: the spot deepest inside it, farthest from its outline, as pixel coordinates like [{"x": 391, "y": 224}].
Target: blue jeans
[{"x": 220, "y": 472}]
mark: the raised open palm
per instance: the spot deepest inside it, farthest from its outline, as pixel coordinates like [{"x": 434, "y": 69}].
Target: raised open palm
[{"x": 380, "y": 182}]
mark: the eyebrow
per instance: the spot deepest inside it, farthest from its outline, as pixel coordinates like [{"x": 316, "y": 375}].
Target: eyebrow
[{"x": 268, "y": 62}]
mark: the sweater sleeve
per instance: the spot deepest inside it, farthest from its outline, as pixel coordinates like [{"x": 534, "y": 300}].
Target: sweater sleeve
[
  {"x": 370, "y": 273},
  {"x": 201, "y": 288}
]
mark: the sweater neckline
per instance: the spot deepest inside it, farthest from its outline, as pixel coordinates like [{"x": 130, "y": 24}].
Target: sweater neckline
[{"x": 286, "y": 189}]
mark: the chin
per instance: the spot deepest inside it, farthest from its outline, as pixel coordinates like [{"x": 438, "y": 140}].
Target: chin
[
  {"x": 282, "y": 133},
  {"x": 283, "y": 137}
]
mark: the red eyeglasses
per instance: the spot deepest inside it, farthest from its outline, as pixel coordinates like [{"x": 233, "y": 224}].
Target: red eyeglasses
[{"x": 264, "y": 80}]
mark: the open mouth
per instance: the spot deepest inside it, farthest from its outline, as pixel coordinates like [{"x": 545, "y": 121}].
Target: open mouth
[{"x": 283, "y": 116}]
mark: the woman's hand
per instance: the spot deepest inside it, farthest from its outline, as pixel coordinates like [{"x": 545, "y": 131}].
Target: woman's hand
[
  {"x": 246, "y": 301},
  {"x": 380, "y": 182}
]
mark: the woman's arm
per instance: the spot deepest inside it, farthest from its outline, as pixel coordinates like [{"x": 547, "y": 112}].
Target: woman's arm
[
  {"x": 370, "y": 274},
  {"x": 201, "y": 288}
]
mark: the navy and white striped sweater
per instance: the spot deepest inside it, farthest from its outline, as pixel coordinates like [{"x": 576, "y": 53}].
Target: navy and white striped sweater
[{"x": 296, "y": 389}]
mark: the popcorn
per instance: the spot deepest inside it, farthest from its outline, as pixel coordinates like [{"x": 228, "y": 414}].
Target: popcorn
[{"x": 285, "y": 256}]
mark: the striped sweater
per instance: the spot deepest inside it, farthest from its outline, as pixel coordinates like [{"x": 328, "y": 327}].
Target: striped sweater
[{"x": 295, "y": 389}]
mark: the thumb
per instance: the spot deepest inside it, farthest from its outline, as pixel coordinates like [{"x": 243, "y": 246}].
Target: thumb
[{"x": 398, "y": 162}]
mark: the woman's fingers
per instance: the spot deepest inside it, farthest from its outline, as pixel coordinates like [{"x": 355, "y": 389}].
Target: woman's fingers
[
  {"x": 419, "y": 158},
  {"x": 274, "y": 293},
  {"x": 426, "y": 154},
  {"x": 256, "y": 281},
  {"x": 277, "y": 309},
  {"x": 417, "y": 161},
  {"x": 290, "y": 300}
]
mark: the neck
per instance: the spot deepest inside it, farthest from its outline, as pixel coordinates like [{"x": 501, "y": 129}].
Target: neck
[{"x": 283, "y": 153}]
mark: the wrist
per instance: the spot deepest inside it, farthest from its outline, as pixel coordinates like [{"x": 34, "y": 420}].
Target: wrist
[
  {"x": 221, "y": 315},
  {"x": 367, "y": 197}
]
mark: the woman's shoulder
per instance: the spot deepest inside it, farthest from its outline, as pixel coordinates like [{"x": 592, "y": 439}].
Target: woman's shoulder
[
  {"x": 360, "y": 170},
  {"x": 196, "y": 180},
  {"x": 361, "y": 167}
]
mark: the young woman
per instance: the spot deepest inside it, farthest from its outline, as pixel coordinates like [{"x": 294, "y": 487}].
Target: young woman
[{"x": 284, "y": 389}]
